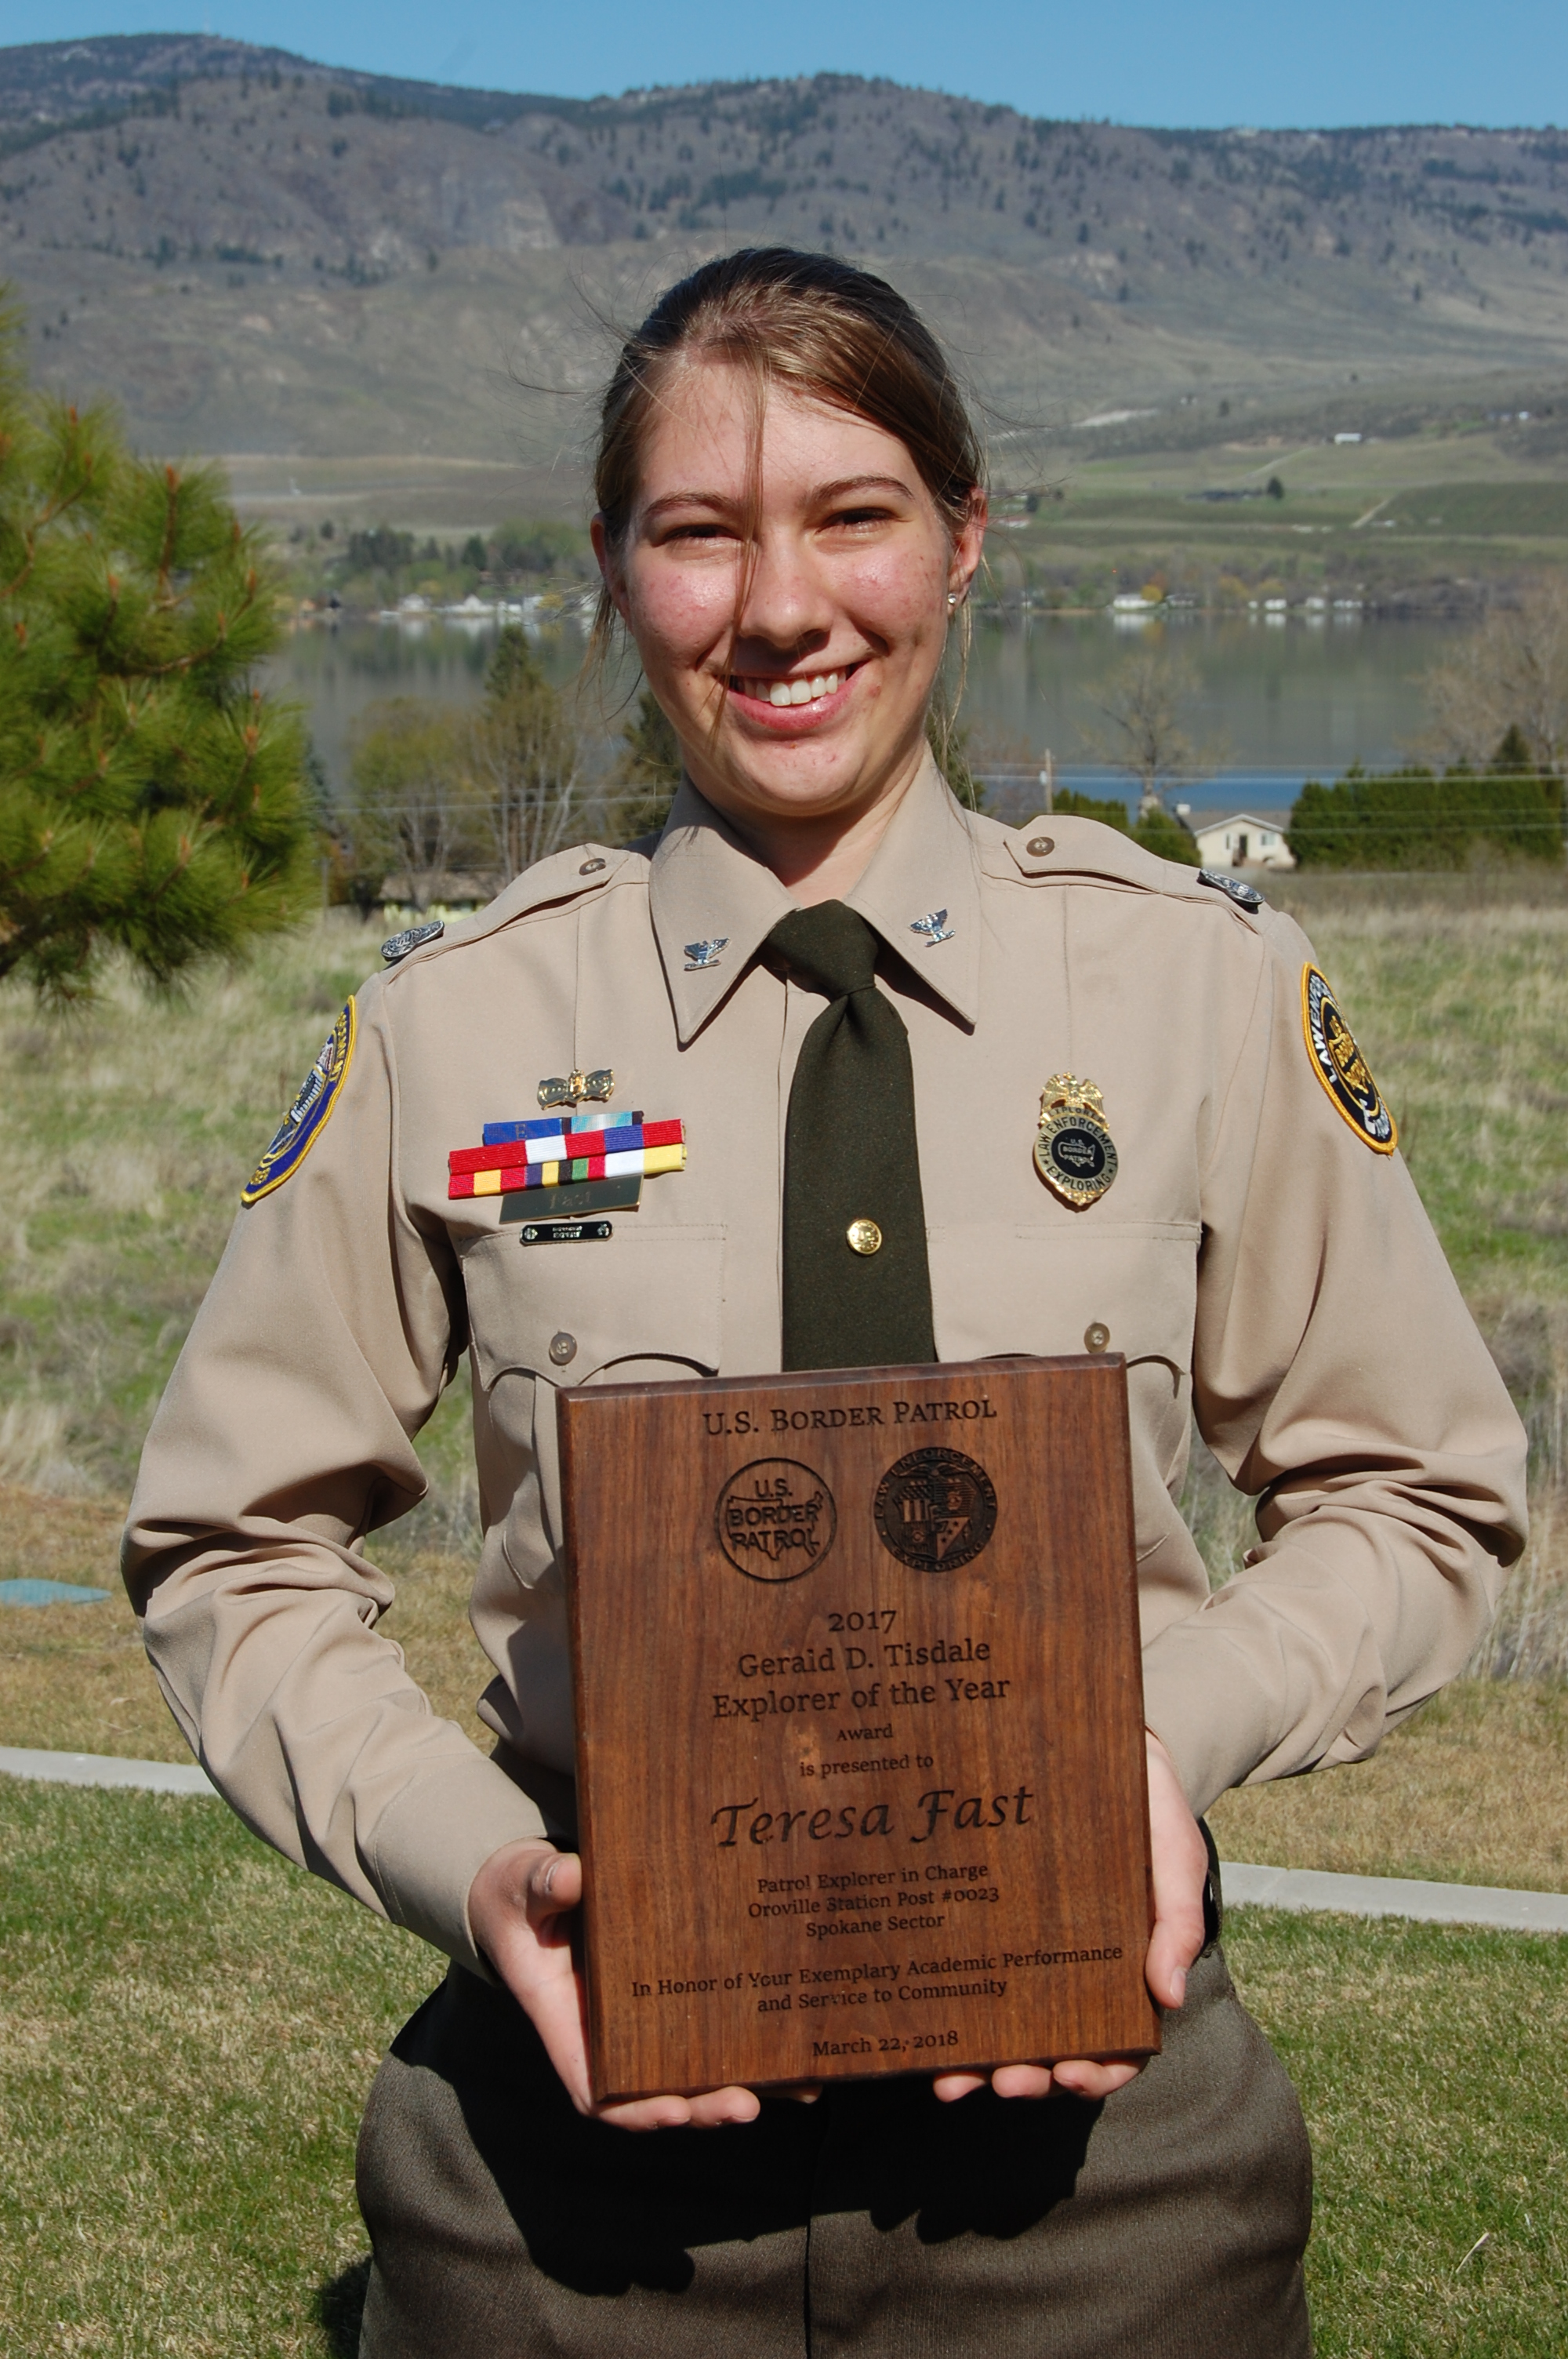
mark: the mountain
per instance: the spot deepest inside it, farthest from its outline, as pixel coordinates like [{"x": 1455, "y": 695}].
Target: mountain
[{"x": 258, "y": 252}]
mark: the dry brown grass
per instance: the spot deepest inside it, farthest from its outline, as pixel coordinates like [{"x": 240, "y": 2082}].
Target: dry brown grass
[
  {"x": 73, "y": 1678},
  {"x": 1473, "y": 1789}
]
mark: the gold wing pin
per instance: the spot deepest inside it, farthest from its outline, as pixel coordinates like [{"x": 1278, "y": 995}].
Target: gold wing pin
[{"x": 575, "y": 1087}]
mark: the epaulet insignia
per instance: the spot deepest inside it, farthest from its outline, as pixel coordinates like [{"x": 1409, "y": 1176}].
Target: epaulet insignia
[
  {"x": 410, "y": 939},
  {"x": 1245, "y": 896},
  {"x": 307, "y": 1116},
  {"x": 1341, "y": 1067}
]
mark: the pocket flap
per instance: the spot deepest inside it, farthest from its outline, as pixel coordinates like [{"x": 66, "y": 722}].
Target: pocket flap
[{"x": 642, "y": 1303}]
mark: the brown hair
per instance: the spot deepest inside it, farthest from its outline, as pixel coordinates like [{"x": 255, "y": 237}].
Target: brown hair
[{"x": 812, "y": 323}]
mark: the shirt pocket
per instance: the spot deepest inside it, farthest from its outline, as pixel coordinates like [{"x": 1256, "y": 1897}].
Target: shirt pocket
[
  {"x": 1048, "y": 1290},
  {"x": 640, "y": 1306}
]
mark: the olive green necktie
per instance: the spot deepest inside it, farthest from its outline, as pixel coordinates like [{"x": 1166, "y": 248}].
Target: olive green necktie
[{"x": 857, "y": 1285}]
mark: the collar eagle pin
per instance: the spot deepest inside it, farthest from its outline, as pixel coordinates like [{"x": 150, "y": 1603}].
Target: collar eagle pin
[
  {"x": 933, "y": 925},
  {"x": 1074, "y": 1151},
  {"x": 700, "y": 956}
]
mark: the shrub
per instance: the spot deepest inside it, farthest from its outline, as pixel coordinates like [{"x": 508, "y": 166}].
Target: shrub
[{"x": 1414, "y": 819}]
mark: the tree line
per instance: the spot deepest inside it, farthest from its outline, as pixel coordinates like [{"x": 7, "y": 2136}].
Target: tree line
[{"x": 157, "y": 802}]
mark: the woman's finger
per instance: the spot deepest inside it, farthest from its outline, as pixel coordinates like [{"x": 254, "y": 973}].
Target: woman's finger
[{"x": 1180, "y": 1860}]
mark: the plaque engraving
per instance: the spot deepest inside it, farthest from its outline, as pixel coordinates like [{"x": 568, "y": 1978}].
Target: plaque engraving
[
  {"x": 775, "y": 1519},
  {"x": 860, "y": 1761},
  {"x": 936, "y": 1509}
]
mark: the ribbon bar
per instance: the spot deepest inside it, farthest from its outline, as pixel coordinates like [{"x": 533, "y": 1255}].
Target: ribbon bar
[
  {"x": 637, "y": 1162},
  {"x": 551, "y": 1126},
  {"x": 548, "y": 1143}
]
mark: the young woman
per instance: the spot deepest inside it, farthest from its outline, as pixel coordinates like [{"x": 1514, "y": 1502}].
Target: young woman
[{"x": 790, "y": 516}]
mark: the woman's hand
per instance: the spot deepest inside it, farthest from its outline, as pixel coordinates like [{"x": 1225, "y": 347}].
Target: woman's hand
[
  {"x": 517, "y": 1907},
  {"x": 1181, "y": 1865},
  {"x": 521, "y": 1896}
]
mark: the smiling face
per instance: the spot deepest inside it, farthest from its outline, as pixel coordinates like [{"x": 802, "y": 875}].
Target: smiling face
[{"x": 803, "y": 715}]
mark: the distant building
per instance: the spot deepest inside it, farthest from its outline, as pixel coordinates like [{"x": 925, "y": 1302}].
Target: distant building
[
  {"x": 1242, "y": 839},
  {"x": 1347, "y": 438}
]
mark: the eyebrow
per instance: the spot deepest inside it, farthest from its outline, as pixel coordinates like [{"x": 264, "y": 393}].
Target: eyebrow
[{"x": 836, "y": 490}]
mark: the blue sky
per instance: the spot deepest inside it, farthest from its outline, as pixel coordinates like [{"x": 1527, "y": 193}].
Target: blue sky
[{"x": 1198, "y": 62}]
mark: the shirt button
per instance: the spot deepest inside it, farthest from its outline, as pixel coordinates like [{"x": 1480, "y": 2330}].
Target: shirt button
[
  {"x": 864, "y": 1236},
  {"x": 1096, "y": 1338},
  {"x": 590, "y": 867},
  {"x": 1040, "y": 847},
  {"x": 563, "y": 1347}
]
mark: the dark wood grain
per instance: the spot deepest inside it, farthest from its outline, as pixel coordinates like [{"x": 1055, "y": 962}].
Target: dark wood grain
[{"x": 871, "y": 1816}]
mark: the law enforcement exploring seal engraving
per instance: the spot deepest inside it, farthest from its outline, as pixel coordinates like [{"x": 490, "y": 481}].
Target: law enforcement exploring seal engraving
[
  {"x": 1341, "y": 1067},
  {"x": 307, "y": 1116},
  {"x": 775, "y": 1519},
  {"x": 1074, "y": 1152},
  {"x": 936, "y": 1509}
]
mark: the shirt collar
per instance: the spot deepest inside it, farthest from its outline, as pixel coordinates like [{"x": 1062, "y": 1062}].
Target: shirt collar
[{"x": 714, "y": 903}]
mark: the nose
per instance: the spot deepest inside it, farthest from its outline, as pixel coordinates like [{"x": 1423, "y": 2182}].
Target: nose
[{"x": 785, "y": 607}]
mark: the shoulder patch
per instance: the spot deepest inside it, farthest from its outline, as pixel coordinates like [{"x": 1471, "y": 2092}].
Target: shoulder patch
[
  {"x": 1341, "y": 1067},
  {"x": 410, "y": 939},
  {"x": 1245, "y": 896},
  {"x": 310, "y": 1113}
]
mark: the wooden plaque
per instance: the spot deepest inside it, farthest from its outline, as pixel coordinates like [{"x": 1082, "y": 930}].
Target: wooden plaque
[{"x": 860, "y": 1759}]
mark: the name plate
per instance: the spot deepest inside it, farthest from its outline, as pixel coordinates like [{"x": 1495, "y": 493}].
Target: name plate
[{"x": 861, "y": 1759}]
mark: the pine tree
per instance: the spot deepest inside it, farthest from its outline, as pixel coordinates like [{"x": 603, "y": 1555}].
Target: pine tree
[
  {"x": 152, "y": 799},
  {"x": 647, "y": 773}
]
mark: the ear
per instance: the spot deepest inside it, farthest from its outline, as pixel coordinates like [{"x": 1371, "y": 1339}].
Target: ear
[
  {"x": 613, "y": 579},
  {"x": 968, "y": 545}
]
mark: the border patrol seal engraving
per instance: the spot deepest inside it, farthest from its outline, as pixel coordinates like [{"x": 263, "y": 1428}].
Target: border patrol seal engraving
[
  {"x": 775, "y": 1519},
  {"x": 936, "y": 1509},
  {"x": 1341, "y": 1067},
  {"x": 1074, "y": 1152},
  {"x": 301, "y": 1127}
]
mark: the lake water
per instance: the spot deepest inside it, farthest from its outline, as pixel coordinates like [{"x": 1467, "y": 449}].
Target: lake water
[{"x": 1275, "y": 700}]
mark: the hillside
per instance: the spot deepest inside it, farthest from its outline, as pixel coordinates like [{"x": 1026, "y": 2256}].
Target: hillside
[{"x": 259, "y": 253}]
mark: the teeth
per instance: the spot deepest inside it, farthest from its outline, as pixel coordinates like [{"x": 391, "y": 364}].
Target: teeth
[{"x": 792, "y": 691}]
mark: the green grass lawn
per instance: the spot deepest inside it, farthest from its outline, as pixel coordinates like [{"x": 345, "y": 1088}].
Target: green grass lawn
[{"x": 189, "y": 2025}]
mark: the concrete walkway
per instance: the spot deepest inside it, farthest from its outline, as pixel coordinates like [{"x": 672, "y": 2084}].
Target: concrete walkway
[
  {"x": 1394, "y": 1896},
  {"x": 1245, "y": 1886},
  {"x": 105, "y": 1769}
]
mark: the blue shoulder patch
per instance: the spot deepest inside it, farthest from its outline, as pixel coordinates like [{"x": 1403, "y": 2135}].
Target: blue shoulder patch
[{"x": 309, "y": 1116}]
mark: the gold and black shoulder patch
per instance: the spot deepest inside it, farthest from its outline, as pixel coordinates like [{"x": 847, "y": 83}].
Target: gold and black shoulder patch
[
  {"x": 309, "y": 1116},
  {"x": 1341, "y": 1067}
]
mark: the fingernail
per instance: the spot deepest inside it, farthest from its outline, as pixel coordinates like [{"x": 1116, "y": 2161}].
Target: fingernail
[
  {"x": 1179, "y": 1984},
  {"x": 547, "y": 1881}
]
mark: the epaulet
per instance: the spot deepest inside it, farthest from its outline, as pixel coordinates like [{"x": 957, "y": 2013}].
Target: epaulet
[
  {"x": 1062, "y": 844},
  {"x": 565, "y": 876}
]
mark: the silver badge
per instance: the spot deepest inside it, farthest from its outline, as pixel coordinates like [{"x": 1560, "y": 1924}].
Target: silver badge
[
  {"x": 1245, "y": 896},
  {"x": 410, "y": 939},
  {"x": 699, "y": 955},
  {"x": 933, "y": 925}
]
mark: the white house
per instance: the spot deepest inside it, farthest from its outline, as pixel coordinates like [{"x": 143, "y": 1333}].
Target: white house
[{"x": 1242, "y": 839}]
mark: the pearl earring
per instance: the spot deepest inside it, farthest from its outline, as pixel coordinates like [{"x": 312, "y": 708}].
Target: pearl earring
[{"x": 952, "y": 597}]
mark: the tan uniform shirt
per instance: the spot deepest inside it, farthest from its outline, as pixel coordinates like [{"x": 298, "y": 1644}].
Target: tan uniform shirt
[{"x": 1255, "y": 1260}]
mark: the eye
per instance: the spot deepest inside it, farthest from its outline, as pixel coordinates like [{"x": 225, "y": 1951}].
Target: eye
[
  {"x": 858, "y": 519},
  {"x": 700, "y": 530}
]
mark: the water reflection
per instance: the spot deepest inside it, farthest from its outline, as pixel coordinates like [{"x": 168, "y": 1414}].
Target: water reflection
[{"x": 1286, "y": 697}]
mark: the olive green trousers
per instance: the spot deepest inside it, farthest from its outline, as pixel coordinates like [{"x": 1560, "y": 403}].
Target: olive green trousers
[{"x": 1167, "y": 2223}]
